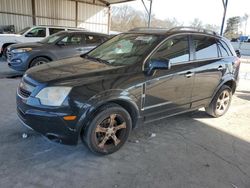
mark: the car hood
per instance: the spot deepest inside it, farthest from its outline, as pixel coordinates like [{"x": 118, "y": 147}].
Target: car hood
[
  {"x": 9, "y": 37},
  {"x": 75, "y": 68},
  {"x": 26, "y": 45}
]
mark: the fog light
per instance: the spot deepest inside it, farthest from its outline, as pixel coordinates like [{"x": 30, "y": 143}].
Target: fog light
[
  {"x": 69, "y": 118},
  {"x": 17, "y": 60}
]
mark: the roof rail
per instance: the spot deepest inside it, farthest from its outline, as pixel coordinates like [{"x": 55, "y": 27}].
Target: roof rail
[
  {"x": 184, "y": 28},
  {"x": 59, "y": 26},
  {"x": 148, "y": 29}
]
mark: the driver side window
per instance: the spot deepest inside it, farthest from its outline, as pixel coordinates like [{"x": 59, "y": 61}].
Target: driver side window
[
  {"x": 37, "y": 32},
  {"x": 175, "y": 50}
]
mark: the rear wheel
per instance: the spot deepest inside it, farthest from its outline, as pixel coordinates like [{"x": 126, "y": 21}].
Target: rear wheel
[
  {"x": 220, "y": 102},
  {"x": 108, "y": 130},
  {"x": 39, "y": 61}
]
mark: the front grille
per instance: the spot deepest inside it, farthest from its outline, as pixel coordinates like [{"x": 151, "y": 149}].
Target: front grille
[
  {"x": 9, "y": 54},
  {"x": 24, "y": 93},
  {"x": 25, "y": 89}
]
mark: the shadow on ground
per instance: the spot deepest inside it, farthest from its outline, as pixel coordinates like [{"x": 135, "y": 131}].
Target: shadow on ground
[{"x": 185, "y": 152}]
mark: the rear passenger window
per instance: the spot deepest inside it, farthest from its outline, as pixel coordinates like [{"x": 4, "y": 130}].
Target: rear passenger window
[
  {"x": 175, "y": 49},
  {"x": 92, "y": 39},
  {"x": 54, "y": 30},
  {"x": 224, "y": 50},
  {"x": 75, "y": 39},
  {"x": 205, "y": 47}
]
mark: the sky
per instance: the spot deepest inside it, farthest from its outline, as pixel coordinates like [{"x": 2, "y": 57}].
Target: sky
[{"x": 185, "y": 11}]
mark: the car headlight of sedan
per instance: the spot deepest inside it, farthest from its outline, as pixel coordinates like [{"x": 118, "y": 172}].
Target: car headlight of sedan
[
  {"x": 21, "y": 50},
  {"x": 53, "y": 96}
]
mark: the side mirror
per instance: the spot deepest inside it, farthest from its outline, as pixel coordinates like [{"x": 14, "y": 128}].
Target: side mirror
[
  {"x": 238, "y": 53},
  {"x": 157, "y": 64},
  {"x": 29, "y": 35}
]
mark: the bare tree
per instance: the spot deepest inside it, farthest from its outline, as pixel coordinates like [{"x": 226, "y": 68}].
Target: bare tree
[
  {"x": 197, "y": 23},
  {"x": 232, "y": 29},
  {"x": 245, "y": 19},
  {"x": 125, "y": 18}
]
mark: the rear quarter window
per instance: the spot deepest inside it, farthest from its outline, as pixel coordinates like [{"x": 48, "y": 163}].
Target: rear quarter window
[
  {"x": 205, "y": 47},
  {"x": 55, "y": 30},
  {"x": 224, "y": 49},
  {"x": 93, "y": 39}
]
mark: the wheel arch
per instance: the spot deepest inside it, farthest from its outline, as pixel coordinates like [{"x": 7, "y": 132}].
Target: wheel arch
[
  {"x": 5, "y": 45},
  {"x": 131, "y": 108},
  {"x": 44, "y": 56},
  {"x": 128, "y": 105},
  {"x": 230, "y": 82}
]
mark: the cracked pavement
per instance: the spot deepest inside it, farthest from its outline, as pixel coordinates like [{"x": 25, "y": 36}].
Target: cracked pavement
[{"x": 190, "y": 150}]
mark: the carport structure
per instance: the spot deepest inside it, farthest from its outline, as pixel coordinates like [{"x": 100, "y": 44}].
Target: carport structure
[{"x": 90, "y": 14}]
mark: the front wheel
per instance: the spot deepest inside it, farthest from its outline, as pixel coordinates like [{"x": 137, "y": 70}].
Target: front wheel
[
  {"x": 221, "y": 102},
  {"x": 108, "y": 130},
  {"x": 39, "y": 61}
]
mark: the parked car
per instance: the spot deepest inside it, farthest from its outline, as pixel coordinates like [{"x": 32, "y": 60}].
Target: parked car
[
  {"x": 134, "y": 78},
  {"x": 30, "y": 34},
  {"x": 58, "y": 46}
]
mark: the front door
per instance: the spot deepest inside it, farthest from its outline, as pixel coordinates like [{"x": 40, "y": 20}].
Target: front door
[{"x": 168, "y": 92}]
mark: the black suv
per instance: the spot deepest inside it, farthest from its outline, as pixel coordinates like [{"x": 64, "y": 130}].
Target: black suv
[{"x": 135, "y": 77}]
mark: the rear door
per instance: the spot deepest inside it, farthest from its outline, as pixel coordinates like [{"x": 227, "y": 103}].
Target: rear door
[
  {"x": 209, "y": 68},
  {"x": 91, "y": 41},
  {"x": 169, "y": 91}
]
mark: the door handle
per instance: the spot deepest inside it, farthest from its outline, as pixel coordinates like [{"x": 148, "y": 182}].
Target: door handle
[
  {"x": 220, "y": 68},
  {"x": 189, "y": 74}
]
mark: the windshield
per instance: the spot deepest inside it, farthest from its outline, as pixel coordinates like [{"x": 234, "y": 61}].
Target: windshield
[
  {"x": 52, "y": 38},
  {"x": 124, "y": 49},
  {"x": 23, "y": 31}
]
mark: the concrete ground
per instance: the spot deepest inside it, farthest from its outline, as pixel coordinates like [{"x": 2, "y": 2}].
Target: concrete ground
[{"x": 189, "y": 151}]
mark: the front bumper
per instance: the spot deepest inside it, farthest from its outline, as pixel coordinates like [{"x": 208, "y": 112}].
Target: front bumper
[
  {"x": 18, "y": 61},
  {"x": 48, "y": 123}
]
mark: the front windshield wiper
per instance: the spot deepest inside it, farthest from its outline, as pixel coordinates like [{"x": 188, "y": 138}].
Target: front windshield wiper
[{"x": 96, "y": 58}]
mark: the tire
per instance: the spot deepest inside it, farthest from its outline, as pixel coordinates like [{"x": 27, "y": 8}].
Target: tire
[
  {"x": 39, "y": 61},
  {"x": 221, "y": 102},
  {"x": 108, "y": 130}
]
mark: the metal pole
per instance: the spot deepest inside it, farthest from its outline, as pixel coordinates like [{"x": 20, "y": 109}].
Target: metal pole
[
  {"x": 109, "y": 19},
  {"x": 33, "y": 10},
  {"x": 225, "y": 2},
  {"x": 149, "y": 14}
]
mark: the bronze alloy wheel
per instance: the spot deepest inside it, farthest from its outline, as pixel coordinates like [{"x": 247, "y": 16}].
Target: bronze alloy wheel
[{"x": 108, "y": 130}]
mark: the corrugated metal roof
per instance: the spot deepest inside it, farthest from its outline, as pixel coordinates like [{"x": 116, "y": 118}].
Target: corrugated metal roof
[
  {"x": 105, "y": 2},
  {"x": 116, "y": 1}
]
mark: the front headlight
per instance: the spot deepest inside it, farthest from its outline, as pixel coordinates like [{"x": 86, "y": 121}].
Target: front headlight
[
  {"x": 53, "y": 96},
  {"x": 21, "y": 50}
]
